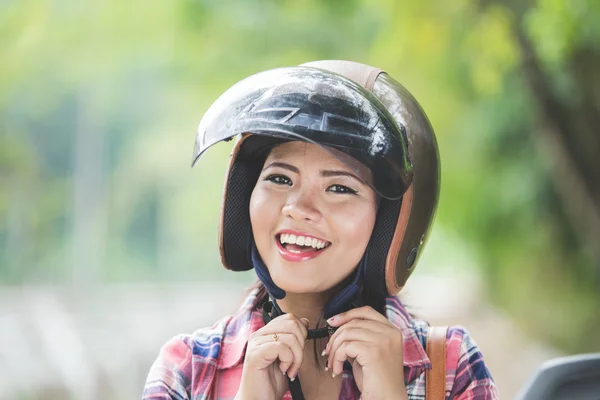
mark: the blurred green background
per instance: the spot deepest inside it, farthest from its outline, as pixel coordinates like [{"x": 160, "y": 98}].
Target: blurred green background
[{"x": 99, "y": 102}]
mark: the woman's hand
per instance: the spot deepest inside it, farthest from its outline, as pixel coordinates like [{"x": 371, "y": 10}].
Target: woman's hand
[
  {"x": 374, "y": 347},
  {"x": 274, "y": 352}
]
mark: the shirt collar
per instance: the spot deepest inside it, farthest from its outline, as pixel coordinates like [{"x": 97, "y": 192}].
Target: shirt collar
[
  {"x": 248, "y": 320},
  {"x": 415, "y": 355},
  {"x": 237, "y": 332}
]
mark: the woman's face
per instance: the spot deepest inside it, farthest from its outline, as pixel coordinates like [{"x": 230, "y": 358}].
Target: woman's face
[{"x": 312, "y": 216}]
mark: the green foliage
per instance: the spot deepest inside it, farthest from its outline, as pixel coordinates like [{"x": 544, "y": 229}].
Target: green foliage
[{"x": 559, "y": 27}]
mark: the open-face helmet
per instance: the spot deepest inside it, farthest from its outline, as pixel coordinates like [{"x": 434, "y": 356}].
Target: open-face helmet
[{"x": 354, "y": 108}]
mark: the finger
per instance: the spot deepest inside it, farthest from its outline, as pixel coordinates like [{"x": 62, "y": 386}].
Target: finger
[
  {"x": 365, "y": 312},
  {"x": 284, "y": 365},
  {"x": 368, "y": 325},
  {"x": 302, "y": 322},
  {"x": 291, "y": 341},
  {"x": 300, "y": 327},
  {"x": 350, "y": 335},
  {"x": 305, "y": 321},
  {"x": 347, "y": 351},
  {"x": 270, "y": 352},
  {"x": 287, "y": 323},
  {"x": 298, "y": 352},
  {"x": 290, "y": 338}
]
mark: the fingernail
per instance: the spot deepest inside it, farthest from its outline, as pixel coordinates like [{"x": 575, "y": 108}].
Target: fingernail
[
  {"x": 333, "y": 375},
  {"x": 326, "y": 368},
  {"x": 330, "y": 320},
  {"x": 284, "y": 372},
  {"x": 293, "y": 378},
  {"x": 323, "y": 353}
]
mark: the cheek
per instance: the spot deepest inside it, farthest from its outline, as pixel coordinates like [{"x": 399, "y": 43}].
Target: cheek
[
  {"x": 263, "y": 211},
  {"x": 356, "y": 226}
]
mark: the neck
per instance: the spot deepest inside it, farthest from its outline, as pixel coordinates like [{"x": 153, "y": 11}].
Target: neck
[{"x": 305, "y": 305}]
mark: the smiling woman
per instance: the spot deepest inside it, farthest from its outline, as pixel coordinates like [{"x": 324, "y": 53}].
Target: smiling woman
[
  {"x": 329, "y": 197},
  {"x": 307, "y": 193}
]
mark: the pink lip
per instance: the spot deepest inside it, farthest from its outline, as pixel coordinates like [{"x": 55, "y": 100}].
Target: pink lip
[{"x": 298, "y": 257}]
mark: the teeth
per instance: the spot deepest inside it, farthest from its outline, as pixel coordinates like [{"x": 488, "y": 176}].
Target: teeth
[{"x": 302, "y": 240}]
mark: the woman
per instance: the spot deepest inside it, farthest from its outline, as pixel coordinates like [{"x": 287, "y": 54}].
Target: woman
[{"x": 329, "y": 196}]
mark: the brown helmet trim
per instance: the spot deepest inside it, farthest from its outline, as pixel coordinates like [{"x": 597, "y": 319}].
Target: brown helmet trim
[
  {"x": 372, "y": 78},
  {"x": 362, "y": 74},
  {"x": 391, "y": 271},
  {"x": 232, "y": 158}
]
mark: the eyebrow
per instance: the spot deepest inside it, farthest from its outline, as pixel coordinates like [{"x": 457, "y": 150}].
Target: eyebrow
[
  {"x": 282, "y": 165},
  {"x": 324, "y": 173},
  {"x": 330, "y": 173}
]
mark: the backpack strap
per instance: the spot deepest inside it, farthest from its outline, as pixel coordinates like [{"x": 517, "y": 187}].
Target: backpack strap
[{"x": 435, "y": 378}]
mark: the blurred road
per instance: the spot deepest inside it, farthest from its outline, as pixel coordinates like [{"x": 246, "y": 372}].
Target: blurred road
[{"x": 100, "y": 344}]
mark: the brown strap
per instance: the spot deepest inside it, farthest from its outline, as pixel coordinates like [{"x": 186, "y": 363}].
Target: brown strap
[{"x": 435, "y": 378}]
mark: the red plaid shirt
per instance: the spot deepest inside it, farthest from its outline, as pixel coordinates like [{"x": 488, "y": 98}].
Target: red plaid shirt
[{"x": 208, "y": 364}]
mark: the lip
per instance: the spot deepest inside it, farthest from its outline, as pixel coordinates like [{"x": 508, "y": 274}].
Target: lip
[{"x": 298, "y": 257}]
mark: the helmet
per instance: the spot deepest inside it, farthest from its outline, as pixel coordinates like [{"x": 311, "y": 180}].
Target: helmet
[{"x": 351, "y": 107}]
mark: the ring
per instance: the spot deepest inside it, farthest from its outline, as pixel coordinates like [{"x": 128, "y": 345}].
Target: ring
[{"x": 275, "y": 337}]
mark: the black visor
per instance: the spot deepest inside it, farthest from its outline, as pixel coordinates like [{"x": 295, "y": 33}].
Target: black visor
[{"x": 315, "y": 106}]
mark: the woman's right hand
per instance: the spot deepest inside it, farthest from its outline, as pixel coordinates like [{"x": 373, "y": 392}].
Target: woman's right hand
[{"x": 274, "y": 352}]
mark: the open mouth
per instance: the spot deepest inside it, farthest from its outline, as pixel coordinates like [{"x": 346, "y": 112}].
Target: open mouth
[{"x": 301, "y": 244}]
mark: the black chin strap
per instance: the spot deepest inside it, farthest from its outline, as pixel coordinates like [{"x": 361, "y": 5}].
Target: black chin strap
[{"x": 271, "y": 310}]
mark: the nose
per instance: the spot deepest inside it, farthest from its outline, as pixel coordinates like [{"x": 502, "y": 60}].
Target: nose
[{"x": 302, "y": 206}]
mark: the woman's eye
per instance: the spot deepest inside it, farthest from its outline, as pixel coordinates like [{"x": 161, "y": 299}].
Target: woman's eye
[
  {"x": 279, "y": 180},
  {"x": 341, "y": 189}
]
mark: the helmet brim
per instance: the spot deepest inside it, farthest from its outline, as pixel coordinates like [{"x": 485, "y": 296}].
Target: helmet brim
[{"x": 315, "y": 106}]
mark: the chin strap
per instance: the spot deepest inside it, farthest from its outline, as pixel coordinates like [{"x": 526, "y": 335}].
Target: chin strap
[
  {"x": 342, "y": 301},
  {"x": 263, "y": 273}
]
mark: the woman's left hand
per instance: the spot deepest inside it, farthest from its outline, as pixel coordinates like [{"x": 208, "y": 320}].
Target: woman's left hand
[{"x": 374, "y": 348}]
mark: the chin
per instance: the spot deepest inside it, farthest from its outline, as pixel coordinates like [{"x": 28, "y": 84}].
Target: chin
[{"x": 299, "y": 283}]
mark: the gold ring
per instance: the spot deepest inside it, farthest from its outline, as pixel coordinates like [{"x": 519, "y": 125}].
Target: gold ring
[{"x": 275, "y": 337}]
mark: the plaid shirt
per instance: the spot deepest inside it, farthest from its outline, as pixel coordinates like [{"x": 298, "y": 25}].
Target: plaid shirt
[{"x": 208, "y": 364}]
